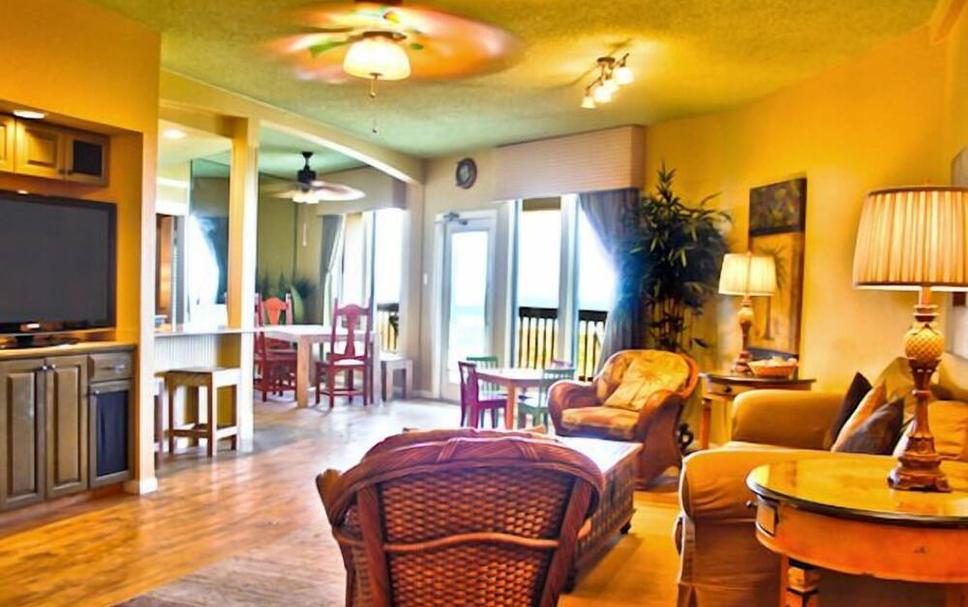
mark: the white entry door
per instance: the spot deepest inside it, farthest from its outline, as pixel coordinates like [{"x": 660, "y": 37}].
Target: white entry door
[{"x": 467, "y": 310}]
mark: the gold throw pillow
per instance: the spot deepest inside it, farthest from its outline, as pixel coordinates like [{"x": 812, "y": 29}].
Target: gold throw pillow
[{"x": 650, "y": 371}]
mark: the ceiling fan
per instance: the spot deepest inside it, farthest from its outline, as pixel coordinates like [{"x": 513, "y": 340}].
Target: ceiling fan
[
  {"x": 391, "y": 40},
  {"x": 306, "y": 189}
]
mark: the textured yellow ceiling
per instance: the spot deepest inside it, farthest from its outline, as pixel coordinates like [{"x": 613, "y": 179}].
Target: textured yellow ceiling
[{"x": 689, "y": 56}]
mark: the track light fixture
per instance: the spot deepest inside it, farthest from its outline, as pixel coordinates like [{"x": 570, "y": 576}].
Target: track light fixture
[{"x": 612, "y": 73}]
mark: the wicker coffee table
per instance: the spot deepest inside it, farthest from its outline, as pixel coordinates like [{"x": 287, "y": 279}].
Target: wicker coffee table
[{"x": 616, "y": 460}]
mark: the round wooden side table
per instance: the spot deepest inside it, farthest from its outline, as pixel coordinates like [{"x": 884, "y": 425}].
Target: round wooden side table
[
  {"x": 840, "y": 514},
  {"x": 724, "y": 387}
]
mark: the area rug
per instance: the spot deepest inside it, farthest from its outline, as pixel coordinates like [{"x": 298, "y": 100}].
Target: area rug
[{"x": 302, "y": 569}]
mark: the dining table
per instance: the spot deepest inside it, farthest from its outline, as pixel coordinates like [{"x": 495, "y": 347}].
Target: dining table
[
  {"x": 304, "y": 337},
  {"x": 514, "y": 380}
]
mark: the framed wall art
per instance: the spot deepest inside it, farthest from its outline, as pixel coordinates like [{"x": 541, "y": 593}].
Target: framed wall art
[{"x": 777, "y": 228}]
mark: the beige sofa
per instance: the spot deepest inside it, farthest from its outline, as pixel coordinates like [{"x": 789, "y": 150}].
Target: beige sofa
[{"x": 722, "y": 564}]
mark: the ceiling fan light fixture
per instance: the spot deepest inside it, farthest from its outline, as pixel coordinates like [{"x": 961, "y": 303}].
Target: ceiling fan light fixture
[
  {"x": 588, "y": 102},
  {"x": 377, "y": 55}
]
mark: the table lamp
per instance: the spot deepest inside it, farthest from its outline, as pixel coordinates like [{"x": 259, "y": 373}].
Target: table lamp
[
  {"x": 916, "y": 239},
  {"x": 747, "y": 275}
]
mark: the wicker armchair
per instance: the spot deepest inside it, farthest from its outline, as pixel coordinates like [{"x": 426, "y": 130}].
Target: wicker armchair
[
  {"x": 577, "y": 409},
  {"x": 460, "y": 517}
]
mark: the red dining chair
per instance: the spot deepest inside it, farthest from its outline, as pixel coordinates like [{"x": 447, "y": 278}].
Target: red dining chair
[
  {"x": 275, "y": 368},
  {"x": 471, "y": 403},
  {"x": 344, "y": 355},
  {"x": 276, "y": 311}
]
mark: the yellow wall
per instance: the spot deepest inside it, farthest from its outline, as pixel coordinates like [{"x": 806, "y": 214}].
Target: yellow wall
[
  {"x": 89, "y": 64},
  {"x": 277, "y": 238},
  {"x": 874, "y": 122}
]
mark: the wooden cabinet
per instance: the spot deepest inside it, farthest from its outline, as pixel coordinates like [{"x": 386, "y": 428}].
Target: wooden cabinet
[
  {"x": 67, "y": 418},
  {"x": 66, "y": 425},
  {"x": 40, "y": 150},
  {"x": 7, "y": 138},
  {"x": 45, "y": 150},
  {"x": 22, "y": 432}
]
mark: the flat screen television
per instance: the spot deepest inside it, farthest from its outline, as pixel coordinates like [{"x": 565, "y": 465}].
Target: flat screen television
[{"x": 57, "y": 264}]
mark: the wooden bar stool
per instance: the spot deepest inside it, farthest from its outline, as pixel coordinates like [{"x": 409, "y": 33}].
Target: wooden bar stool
[
  {"x": 389, "y": 365},
  {"x": 211, "y": 379}
]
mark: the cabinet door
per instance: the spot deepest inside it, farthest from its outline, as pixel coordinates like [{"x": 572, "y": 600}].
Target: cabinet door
[
  {"x": 40, "y": 151},
  {"x": 111, "y": 433},
  {"x": 21, "y": 433},
  {"x": 86, "y": 158},
  {"x": 66, "y": 400},
  {"x": 7, "y": 138}
]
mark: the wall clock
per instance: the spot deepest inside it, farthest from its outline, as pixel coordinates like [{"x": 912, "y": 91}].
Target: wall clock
[{"x": 466, "y": 173}]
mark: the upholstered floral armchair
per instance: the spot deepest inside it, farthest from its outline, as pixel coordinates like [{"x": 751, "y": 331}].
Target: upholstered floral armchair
[{"x": 638, "y": 396}]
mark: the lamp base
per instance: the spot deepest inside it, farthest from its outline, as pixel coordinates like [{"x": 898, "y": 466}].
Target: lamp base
[
  {"x": 741, "y": 366},
  {"x": 919, "y": 465},
  {"x": 919, "y": 470}
]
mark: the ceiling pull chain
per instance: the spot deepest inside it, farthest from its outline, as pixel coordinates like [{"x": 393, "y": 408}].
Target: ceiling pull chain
[{"x": 373, "y": 125}]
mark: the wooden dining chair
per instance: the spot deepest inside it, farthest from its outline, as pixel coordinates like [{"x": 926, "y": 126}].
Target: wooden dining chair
[
  {"x": 346, "y": 355},
  {"x": 537, "y": 407},
  {"x": 473, "y": 403},
  {"x": 276, "y": 311},
  {"x": 275, "y": 370},
  {"x": 488, "y": 389}
]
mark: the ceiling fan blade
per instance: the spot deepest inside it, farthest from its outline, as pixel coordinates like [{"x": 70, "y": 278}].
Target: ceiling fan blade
[
  {"x": 287, "y": 194},
  {"x": 317, "y": 29},
  {"x": 336, "y": 191},
  {"x": 318, "y": 49}
]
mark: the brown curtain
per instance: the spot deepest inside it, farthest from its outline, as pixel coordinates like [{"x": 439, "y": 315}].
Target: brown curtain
[{"x": 610, "y": 214}]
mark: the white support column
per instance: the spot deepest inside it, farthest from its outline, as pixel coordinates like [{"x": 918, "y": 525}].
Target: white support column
[
  {"x": 568, "y": 282},
  {"x": 243, "y": 212}
]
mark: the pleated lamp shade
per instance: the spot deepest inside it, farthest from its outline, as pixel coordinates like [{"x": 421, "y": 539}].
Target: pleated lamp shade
[
  {"x": 913, "y": 237},
  {"x": 747, "y": 274}
]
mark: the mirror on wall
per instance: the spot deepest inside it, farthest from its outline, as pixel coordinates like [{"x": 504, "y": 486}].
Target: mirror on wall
[{"x": 192, "y": 206}]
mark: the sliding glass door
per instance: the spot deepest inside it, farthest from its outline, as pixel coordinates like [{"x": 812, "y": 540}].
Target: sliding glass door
[
  {"x": 564, "y": 285},
  {"x": 468, "y": 296}
]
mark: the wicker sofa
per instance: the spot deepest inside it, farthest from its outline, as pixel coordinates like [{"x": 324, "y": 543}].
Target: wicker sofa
[
  {"x": 578, "y": 409},
  {"x": 722, "y": 564}
]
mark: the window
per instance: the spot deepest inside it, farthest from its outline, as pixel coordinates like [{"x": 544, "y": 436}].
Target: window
[
  {"x": 388, "y": 268},
  {"x": 538, "y": 282}
]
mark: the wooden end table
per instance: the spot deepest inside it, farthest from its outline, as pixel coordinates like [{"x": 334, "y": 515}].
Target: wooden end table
[
  {"x": 617, "y": 461},
  {"x": 839, "y": 513},
  {"x": 724, "y": 387}
]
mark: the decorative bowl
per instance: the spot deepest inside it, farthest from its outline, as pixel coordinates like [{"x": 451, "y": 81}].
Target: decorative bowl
[{"x": 774, "y": 369}]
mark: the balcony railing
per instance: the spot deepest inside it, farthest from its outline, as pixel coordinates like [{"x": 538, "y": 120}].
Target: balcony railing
[
  {"x": 388, "y": 324},
  {"x": 538, "y": 335}
]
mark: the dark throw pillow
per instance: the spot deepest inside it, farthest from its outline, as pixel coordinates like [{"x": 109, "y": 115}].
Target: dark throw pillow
[
  {"x": 858, "y": 389},
  {"x": 879, "y": 433}
]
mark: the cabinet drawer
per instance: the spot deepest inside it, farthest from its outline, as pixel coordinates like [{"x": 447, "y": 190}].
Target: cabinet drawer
[
  {"x": 724, "y": 390},
  {"x": 111, "y": 366}
]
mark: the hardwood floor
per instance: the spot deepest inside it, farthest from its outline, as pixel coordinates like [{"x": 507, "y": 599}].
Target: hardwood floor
[{"x": 109, "y": 550}]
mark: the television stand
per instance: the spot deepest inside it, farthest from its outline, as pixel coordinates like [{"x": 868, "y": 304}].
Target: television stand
[{"x": 24, "y": 341}]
